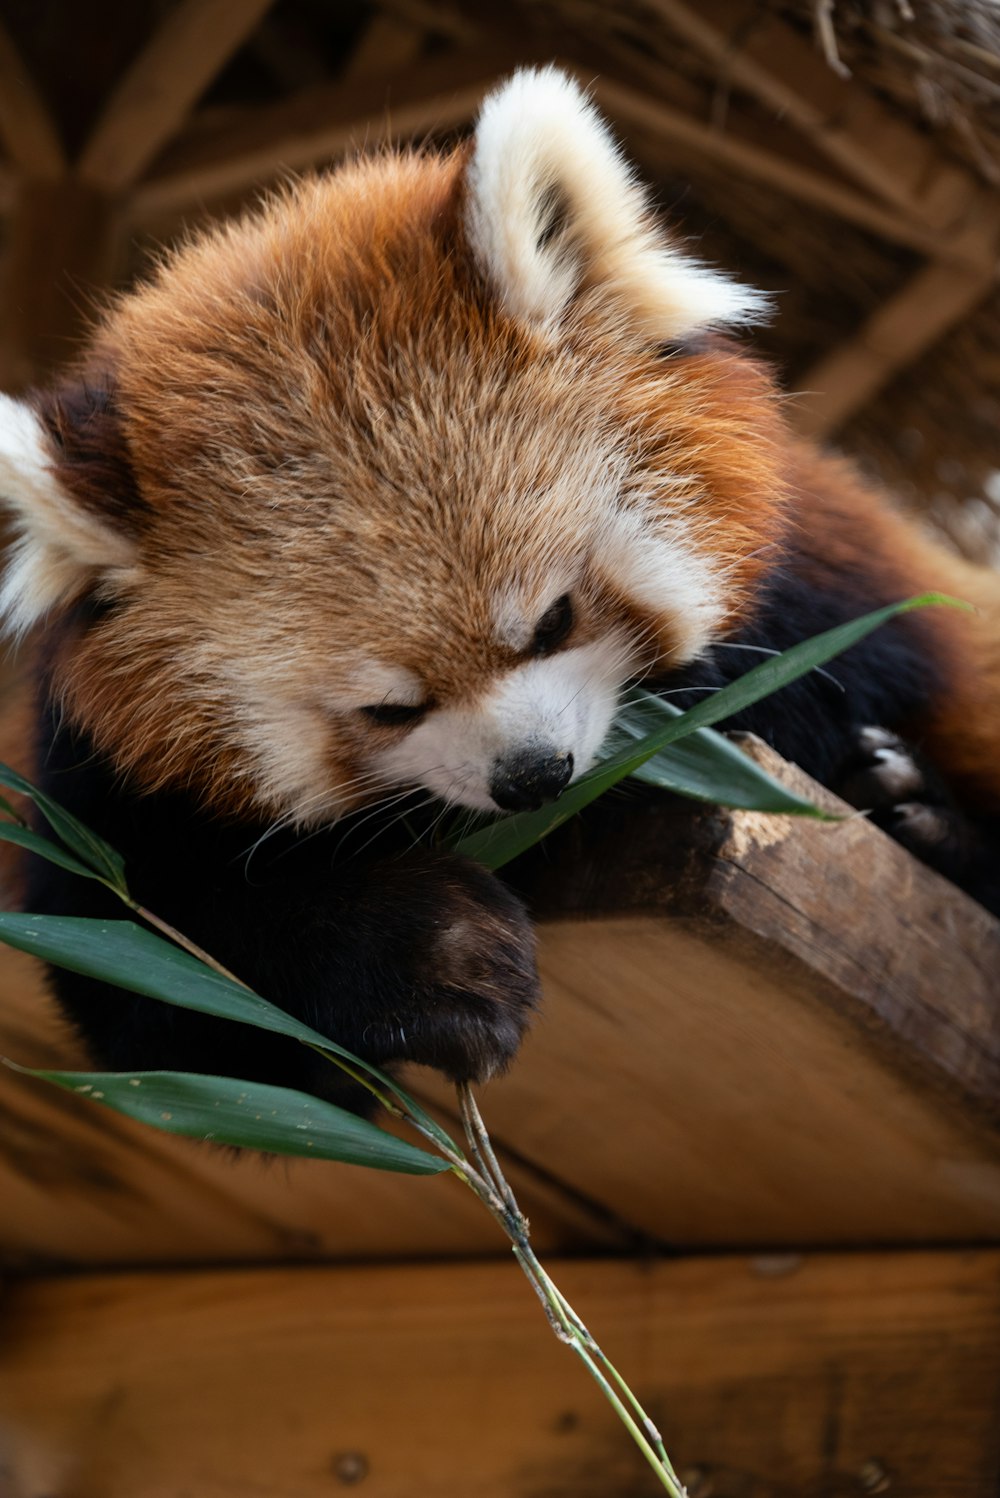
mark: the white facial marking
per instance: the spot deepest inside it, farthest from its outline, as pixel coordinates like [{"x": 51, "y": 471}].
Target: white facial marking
[
  {"x": 374, "y": 682},
  {"x": 564, "y": 701},
  {"x": 657, "y": 568},
  {"x": 289, "y": 745},
  {"x": 60, "y": 544}
]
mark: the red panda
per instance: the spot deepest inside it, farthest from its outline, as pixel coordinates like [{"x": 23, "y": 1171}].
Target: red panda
[{"x": 391, "y": 486}]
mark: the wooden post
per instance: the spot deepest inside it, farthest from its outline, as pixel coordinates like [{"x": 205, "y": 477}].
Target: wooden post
[{"x": 61, "y": 257}]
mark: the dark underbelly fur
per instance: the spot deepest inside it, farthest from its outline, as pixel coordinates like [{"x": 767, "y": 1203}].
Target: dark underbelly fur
[{"x": 357, "y": 937}]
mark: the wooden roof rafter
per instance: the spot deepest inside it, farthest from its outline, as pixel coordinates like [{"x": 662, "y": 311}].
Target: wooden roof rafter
[
  {"x": 318, "y": 124},
  {"x": 891, "y": 159},
  {"x": 883, "y": 152},
  {"x": 65, "y": 237},
  {"x": 750, "y": 148},
  {"x": 27, "y": 131},
  {"x": 157, "y": 93},
  {"x": 933, "y": 301},
  {"x": 814, "y": 135},
  {"x": 387, "y": 45}
]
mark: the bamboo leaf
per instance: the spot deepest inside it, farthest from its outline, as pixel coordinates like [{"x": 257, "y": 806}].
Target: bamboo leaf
[
  {"x": 253, "y": 1115},
  {"x": 130, "y": 957},
  {"x": 500, "y": 841},
  {"x": 10, "y": 810},
  {"x": 24, "y": 837},
  {"x": 781, "y": 670},
  {"x": 91, "y": 849},
  {"x": 709, "y": 767}
]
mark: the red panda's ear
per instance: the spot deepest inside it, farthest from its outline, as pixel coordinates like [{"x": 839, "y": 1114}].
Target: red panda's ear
[
  {"x": 552, "y": 208},
  {"x": 67, "y": 486}
]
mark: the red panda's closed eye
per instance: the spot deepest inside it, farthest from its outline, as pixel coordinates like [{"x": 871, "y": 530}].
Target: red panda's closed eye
[
  {"x": 396, "y": 714},
  {"x": 553, "y": 627}
]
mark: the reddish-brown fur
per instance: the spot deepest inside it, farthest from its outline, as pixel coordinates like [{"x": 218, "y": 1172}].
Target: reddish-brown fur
[
  {"x": 282, "y": 378},
  {"x": 270, "y": 359}
]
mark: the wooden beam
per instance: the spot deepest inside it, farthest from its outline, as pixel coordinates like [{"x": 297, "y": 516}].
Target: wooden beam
[
  {"x": 316, "y": 126},
  {"x": 758, "y": 52},
  {"x": 80, "y": 1186},
  {"x": 387, "y": 45},
  {"x": 932, "y": 302},
  {"x": 27, "y": 130},
  {"x": 642, "y": 93},
  {"x": 195, "y": 40},
  {"x": 738, "y": 1046},
  {"x": 863, "y": 1373},
  {"x": 320, "y": 123},
  {"x": 734, "y": 1048}
]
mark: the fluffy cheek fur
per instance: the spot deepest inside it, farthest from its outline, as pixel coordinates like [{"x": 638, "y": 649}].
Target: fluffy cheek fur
[{"x": 562, "y": 704}]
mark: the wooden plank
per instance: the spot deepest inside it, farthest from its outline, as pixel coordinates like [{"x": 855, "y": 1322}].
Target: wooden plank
[
  {"x": 27, "y": 130},
  {"x": 194, "y": 41},
  {"x": 317, "y": 125},
  {"x": 863, "y": 1373},
  {"x": 933, "y": 301},
  {"x": 83, "y": 1186},
  {"x": 742, "y": 1044},
  {"x": 759, "y": 52},
  {"x": 736, "y": 1047}
]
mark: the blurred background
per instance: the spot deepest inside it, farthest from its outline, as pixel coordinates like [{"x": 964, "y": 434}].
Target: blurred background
[{"x": 841, "y": 153}]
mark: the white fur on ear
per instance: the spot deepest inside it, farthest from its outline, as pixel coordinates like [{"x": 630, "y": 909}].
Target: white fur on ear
[
  {"x": 552, "y": 203},
  {"x": 59, "y": 544}
]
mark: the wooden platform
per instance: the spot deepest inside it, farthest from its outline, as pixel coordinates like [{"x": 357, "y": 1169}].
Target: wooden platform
[{"x": 756, "y": 1032}]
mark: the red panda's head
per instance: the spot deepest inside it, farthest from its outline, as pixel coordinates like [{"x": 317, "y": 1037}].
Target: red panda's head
[{"x": 397, "y": 481}]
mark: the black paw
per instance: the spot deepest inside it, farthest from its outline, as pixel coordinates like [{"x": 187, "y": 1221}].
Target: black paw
[
  {"x": 906, "y": 798},
  {"x": 471, "y": 984}
]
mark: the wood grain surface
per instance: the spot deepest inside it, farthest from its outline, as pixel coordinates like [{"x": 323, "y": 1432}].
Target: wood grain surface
[
  {"x": 756, "y": 1031},
  {"x": 775, "y": 1378}
]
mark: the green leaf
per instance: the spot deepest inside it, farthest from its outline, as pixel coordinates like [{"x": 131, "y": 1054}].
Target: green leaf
[
  {"x": 11, "y": 811},
  {"x": 91, "y": 849},
  {"x": 781, "y": 670},
  {"x": 130, "y": 957},
  {"x": 251, "y": 1114},
  {"x": 708, "y": 767},
  {"x": 24, "y": 837},
  {"x": 497, "y": 843}
]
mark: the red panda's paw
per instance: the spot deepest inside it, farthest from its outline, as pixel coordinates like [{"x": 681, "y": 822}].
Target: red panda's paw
[
  {"x": 906, "y": 798},
  {"x": 475, "y": 982}
]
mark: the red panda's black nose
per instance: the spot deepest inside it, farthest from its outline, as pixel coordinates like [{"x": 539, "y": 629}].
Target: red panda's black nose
[{"x": 527, "y": 781}]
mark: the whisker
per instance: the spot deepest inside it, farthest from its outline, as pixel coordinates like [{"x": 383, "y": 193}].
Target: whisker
[
  {"x": 428, "y": 800},
  {"x": 767, "y": 650}
]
